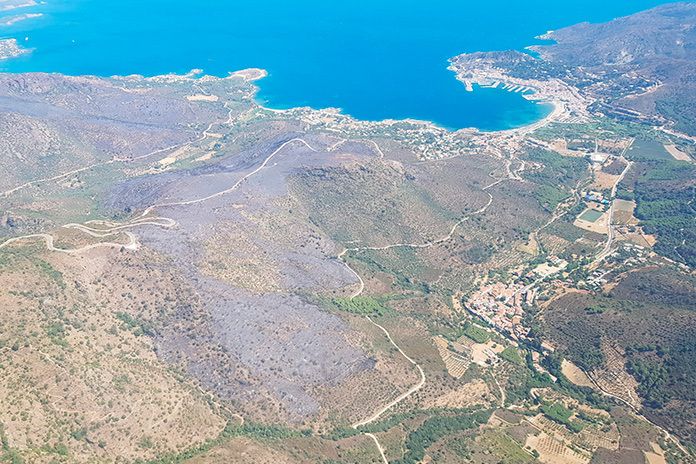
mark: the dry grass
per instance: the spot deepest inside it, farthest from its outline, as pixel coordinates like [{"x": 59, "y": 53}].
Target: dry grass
[
  {"x": 575, "y": 375},
  {"x": 73, "y": 372},
  {"x": 474, "y": 393},
  {"x": 552, "y": 451},
  {"x": 363, "y": 393},
  {"x": 677, "y": 154},
  {"x": 603, "y": 181}
]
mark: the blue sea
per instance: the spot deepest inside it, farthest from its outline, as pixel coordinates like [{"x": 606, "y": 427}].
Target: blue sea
[{"x": 374, "y": 59}]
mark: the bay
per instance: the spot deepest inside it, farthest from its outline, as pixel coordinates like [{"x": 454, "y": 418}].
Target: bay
[{"x": 373, "y": 59}]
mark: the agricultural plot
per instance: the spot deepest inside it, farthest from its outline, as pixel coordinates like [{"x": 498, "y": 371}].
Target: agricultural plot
[
  {"x": 590, "y": 438},
  {"x": 473, "y": 393},
  {"x": 553, "y": 451},
  {"x": 677, "y": 153},
  {"x": 647, "y": 150},
  {"x": 482, "y": 353},
  {"x": 623, "y": 212},
  {"x": 575, "y": 374},
  {"x": 615, "y": 168},
  {"x": 603, "y": 180},
  {"x": 505, "y": 448},
  {"x": 553, "y": 244},
  {"x": 456, "y": 364},
  {"x": 477, "y": 334}
]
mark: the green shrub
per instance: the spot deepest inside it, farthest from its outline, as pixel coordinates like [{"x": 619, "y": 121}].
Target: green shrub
[{"x": 477, "y": 334}]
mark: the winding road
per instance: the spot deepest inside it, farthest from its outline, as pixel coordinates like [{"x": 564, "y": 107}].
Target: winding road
[
  {"x": 416, "y": 245},
  {"x": 105, "y": 228},
  {"x": 403, "y": 396},
  {"x": 236, "y": 184},
  {"x": 636, "y": 411},
  {"x": 421, "y": 382},
  {"x": 399, "y": 399},
  {"x": 131, "y": 245}
]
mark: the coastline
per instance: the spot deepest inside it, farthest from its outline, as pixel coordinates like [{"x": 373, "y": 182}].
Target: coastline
[
  {"x": 488, "y": 112},
  {"x": 483, "y": 69},
  {"x": 11, "y": 48},
  {"x": 413, "y": 133},
  {"x": 426, "y": 139},
  {"x": 558, "y": 111}
]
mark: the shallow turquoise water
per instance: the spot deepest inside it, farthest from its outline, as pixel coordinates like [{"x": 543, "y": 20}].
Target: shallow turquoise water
[{"x": 374, "y": 59}]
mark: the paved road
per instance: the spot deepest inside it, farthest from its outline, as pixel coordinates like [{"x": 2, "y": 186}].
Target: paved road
[{"x": 610, "y": 226}]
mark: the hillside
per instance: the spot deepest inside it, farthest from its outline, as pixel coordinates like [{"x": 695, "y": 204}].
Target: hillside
[{"x": 651, "y": 54}]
